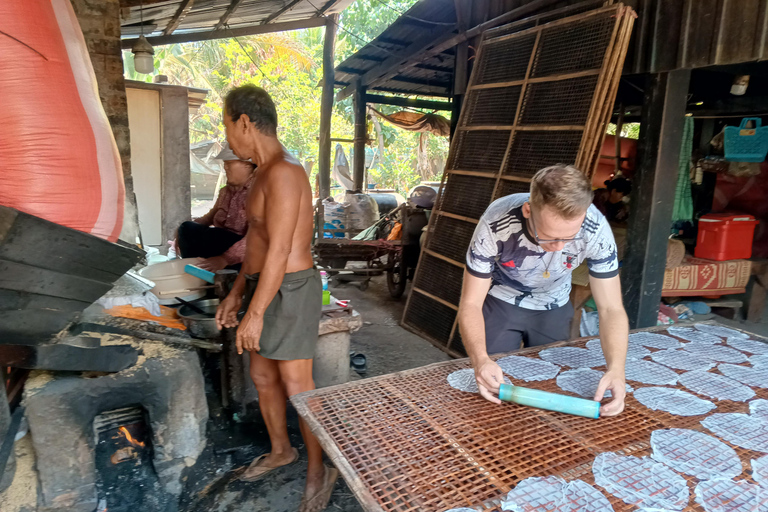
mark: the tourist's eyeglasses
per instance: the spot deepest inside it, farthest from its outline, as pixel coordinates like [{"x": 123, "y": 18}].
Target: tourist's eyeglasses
[{"x": 550, "y": 240}]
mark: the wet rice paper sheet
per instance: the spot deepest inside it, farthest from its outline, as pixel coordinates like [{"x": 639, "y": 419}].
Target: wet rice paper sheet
[
  {"x": 573, "y": 357},
  {"x": 716, "y": 386},
  {"x": 553, "y": 494},
  {"x": 464, "y": 380},
  {"x": 695, "y": 453},
  {"x": 649, "y": 372},
  {"x": 694, "y": 335},
  {"x": 674, "y": 401},
  {"x": 653, "y": 340},
  {"x": 634, "y": 351},
  {"x": 719, "y": 330},
  {"x": 583, "y": 382},
  {"x": 528, "y": 368},
  {"x": 755, "y": 377},
  {"x": 743, "y": 430},
  {"x": 681, "y": 360},
  {"x": 642, "y": 482},
  {"x": 729, "y": 496}
]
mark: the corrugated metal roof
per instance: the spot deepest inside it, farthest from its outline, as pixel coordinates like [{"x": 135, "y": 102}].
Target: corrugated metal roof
[
  {"x": 668, "y": 34},
  {"x": 432, "y": 77},
  {"x": 197, "y": 17}
]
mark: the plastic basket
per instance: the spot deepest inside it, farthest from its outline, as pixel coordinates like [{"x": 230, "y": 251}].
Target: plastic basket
[{"x": 744, "y": 144}]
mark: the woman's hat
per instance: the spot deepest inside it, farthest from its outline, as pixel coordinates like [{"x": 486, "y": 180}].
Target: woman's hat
[{"x": 226, "y": 153}]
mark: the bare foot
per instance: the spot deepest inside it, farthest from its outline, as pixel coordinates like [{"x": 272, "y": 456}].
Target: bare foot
[
  {"x": 265, "y": 464},
  {"x": 319, "y": 488}
]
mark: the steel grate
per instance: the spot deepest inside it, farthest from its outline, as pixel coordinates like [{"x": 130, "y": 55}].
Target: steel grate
[
  {"x": 440, "y": 278},
  {"x": 451, "y": 238},
  {"x": 554, "y": 102},
  {"x": 573, "y": 47},
  {"x": 507, "y": 188},
  {"x": 534, "y": 150},
  {"x": 505, "y": 61},
  {"x": 492, "y": 106},
  {"x": 432, "y": 317},
  {"x": 467, "y": 196},
  {"x": 408, "y": 442},
  {"x": 480, "y": 151}
]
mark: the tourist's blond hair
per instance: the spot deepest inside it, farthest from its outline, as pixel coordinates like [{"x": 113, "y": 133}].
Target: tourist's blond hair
[{"x": 563, "y": 188}]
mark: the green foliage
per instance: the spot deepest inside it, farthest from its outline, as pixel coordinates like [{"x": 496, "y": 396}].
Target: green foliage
[{"x": 289, "y": 66}]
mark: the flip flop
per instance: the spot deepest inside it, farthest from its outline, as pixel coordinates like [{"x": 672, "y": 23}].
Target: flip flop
[
  {"x": 265, "y": 470},
  {"x": 319, "y": 501}
]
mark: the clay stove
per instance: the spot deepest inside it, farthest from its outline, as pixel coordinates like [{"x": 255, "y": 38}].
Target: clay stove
[{"x": 96, "y": 437}]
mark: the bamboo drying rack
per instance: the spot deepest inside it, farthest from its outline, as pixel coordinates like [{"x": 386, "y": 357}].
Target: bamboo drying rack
[
  {"x": 541, "y": 93},
  {"x": 408, "y": 442}
]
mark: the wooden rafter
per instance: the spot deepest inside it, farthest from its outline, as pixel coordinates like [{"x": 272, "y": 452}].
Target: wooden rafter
[
  {"x": 228, "y": 14},
  {"x": 181, "y": 13},
  {"x": 287, "y": 7}
]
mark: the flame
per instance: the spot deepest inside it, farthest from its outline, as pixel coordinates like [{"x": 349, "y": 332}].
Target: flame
[{"x": 127, "y": 435}]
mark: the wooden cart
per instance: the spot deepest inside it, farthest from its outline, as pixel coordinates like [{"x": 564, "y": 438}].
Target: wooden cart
[{"x": 398, "y": 258}]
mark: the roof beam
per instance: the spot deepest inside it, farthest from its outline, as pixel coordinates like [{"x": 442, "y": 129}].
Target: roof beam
[
  {"x": 321, "y": 12},
  {"x": 435, "y": 42},
  {"x": 224, "y": 34},
  {"x": 287, "y": 7},
  {"x": 408, "y": 102},
  {"x": 228, "y": 14},
  {"x": 184, "y": 8}
]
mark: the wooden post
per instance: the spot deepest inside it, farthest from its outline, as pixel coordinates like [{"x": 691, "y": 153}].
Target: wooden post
[
  {"x": 361, "y": 136},
  {"x": 653, "y": 196},
  {"x": 326, "y": 108}
]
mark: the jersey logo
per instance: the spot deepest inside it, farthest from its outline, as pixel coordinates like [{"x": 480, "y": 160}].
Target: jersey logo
[{"x": 509, "y": 264}]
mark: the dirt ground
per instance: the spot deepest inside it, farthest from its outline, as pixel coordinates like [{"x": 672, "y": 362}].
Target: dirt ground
[{"x": 213, "y": 486}]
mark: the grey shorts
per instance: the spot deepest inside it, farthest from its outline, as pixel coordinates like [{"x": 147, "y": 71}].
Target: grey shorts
[
  {"x": 292, "y": 319},
  {"x": 508, "y": 326}
]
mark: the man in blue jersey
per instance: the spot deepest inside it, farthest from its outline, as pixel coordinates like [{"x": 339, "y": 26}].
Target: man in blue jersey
[{"x": 517, "y": 280}]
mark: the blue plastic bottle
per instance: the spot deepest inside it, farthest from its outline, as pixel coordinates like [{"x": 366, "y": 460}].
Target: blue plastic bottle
[{"x": 549, "y": 401}]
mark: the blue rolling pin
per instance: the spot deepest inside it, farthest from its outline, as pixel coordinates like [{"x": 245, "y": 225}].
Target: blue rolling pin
[
  {"x": 549, "y": 401},
  {"x": 199, "y": 272}
]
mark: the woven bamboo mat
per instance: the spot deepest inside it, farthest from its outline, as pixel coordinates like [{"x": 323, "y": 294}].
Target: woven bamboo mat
[{"x": 408, "y": 442}]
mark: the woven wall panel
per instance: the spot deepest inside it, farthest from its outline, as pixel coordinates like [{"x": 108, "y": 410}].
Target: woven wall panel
[
  {"x": 493, "y": 106},
  {"x": 537, "y": 97},
  {"x": 552, "y": 102},
  {"x": 440, "y": 278},
  {"x": 505, "y": 61},
  {"x": 450, "y": 238},
  {"x": 432, "y": 317},
  {"x": 534, "y": 150},
  {"x": 467, "y": 195},
  {"x": 479, "y": 151},
  {"x": 507, "y": 187},
  {"x": 573, "y": 47}
]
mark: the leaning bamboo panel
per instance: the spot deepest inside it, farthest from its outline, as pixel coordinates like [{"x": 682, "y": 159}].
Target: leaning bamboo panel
[
  {"x": 408, "y": 442},
  {"x": 540, "y": 94}
]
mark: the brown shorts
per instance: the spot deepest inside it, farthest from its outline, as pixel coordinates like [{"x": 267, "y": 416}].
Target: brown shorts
[{"x": 292, "y": 319}]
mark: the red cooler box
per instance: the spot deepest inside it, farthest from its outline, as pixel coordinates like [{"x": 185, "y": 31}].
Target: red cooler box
[{"x": 725, "y": 236}]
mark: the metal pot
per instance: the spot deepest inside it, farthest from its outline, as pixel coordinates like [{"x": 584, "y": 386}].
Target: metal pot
[{"x": 198, "y": 325}]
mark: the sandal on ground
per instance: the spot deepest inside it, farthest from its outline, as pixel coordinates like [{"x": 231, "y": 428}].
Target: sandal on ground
[{"x": 258, "y": 472}]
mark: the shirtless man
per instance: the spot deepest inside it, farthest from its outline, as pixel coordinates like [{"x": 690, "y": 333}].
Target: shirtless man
[{"x": 283, "y": 292}]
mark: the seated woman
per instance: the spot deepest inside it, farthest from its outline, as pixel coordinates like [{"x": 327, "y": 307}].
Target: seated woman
[
  {"x": 218, "y": 236},
  {"x": 610, "y": 200}
]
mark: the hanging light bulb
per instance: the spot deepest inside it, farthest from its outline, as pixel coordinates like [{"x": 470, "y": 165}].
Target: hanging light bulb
[
  {"x": 143, "y": 56},
  {"x": 143, "y": 53}
]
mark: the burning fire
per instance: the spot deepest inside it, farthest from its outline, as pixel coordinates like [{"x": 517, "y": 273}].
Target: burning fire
[{"x": 122, "y": 431}]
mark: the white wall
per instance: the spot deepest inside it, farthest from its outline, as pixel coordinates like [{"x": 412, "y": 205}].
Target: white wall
[{"x": 146, "y": 161}]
